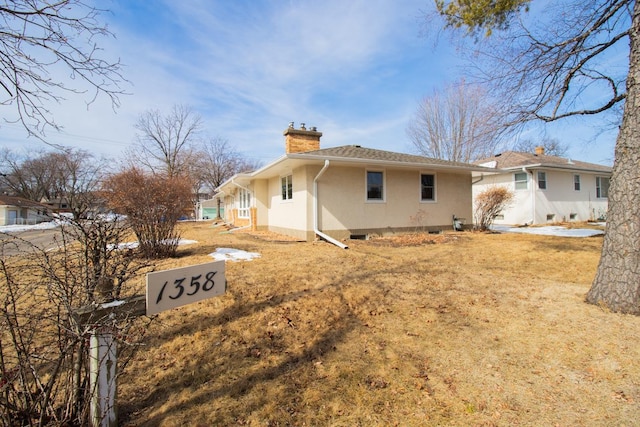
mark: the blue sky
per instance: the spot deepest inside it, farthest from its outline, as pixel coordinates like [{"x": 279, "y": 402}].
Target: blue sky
[{"x": 354, "y": 69}]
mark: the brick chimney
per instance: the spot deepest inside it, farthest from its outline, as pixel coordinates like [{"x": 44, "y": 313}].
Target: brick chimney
[
  {"x": 539, "y": 151},
  {"x": 301, "y": 140}
]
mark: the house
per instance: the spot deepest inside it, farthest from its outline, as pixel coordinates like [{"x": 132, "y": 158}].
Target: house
[
  {"x": 18, "y": 210},
  {"x": 547, "y": 188},
  {"x": 347, "y": 192}
]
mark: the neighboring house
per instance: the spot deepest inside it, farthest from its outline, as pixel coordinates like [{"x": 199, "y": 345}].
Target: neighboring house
[
  {"x": 17, "y": 210},
  {"x": 347, "y": 192},
  {"x": 208, "y": 209},
  {"x": 547, "y": 188}
]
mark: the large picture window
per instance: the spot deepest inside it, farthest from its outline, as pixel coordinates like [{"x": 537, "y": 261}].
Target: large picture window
[
  {"x": 287, "y": 187},
  {"x": 602, "y": 187},
  {"x": 375, "y": 185},
  {"x": 244, "y": 203},
  {"x": 427, "y": 187},
  {"x": 520, "y": 180}
]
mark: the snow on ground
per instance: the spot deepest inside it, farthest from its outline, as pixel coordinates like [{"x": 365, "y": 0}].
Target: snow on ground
[
  {"x": 224, "y": 254},
  {"x": 550, "y": 230},
  {"x": 20, "y": 228}
]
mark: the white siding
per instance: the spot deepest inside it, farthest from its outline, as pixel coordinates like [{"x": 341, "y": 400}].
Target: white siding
[{"x": 558, "y": 202}]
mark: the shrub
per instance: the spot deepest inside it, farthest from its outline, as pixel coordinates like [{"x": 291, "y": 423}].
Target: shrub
[
  {"x": 488, "y": 204},
  {"x": 153, "y": 204}
]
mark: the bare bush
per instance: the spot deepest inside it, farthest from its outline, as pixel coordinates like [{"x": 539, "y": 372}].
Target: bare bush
[
  {"x": 488, "y": 204},
  {"x": 153, "y": 204},
  {"x": 44, "y": 344}
]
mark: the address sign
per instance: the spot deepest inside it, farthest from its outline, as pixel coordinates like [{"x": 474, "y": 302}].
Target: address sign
[{"x": 180, "y": 286}]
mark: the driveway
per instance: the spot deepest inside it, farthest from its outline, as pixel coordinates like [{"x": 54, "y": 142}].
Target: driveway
[{"x": 26, "y": 241}]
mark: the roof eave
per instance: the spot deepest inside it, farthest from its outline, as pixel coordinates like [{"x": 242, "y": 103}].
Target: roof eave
[
  {"x": 377, "y": 162},
  {"x": 570, "y": 168}
]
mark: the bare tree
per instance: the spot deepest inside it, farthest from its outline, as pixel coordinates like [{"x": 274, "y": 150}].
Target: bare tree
[
  {"x": 70, "y": 174},
  {"x": 165, "y": 143},
  {"x": 31, "y": 176},
  {"x": 39, "y": 36},
  {"x": 552, "y": 146},
  {"x": 566, "y": 66},
  {"x": 219, "y": 161},
  {"x": 456, "y": 123}
]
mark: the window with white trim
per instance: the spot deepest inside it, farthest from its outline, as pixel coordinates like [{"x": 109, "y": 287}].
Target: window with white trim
[
  {"x": 375, "y": 185},
  {"x": 602, "y": 187},
  {"x": 576, "y": 182},
  {"x": 542, "y": 180},
  {"x": 244, "y": 203},
  {"x": 287, "y": 187},
  {"x": 427, "y": 187},
  {"x": 520, "y": 179}
]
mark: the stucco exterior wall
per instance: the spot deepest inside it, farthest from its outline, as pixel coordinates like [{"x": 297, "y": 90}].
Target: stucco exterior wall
[
  {"x": 288, "y": 214},
  {"x": 344, "y": 209},
  {"x": 558, "y": 202}
]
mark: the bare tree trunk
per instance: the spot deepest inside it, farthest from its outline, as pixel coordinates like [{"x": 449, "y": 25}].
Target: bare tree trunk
[{"x": 617, "y": 281}]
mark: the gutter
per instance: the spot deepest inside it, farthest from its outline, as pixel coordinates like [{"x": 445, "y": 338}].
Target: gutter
[{"x": 315, "y": 210}]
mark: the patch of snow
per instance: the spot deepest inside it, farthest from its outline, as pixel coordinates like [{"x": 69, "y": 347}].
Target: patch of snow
[
  {"x": 19, "y": 228},
  {"x": 114, "y": 303},
  {"x": 230, "y": 254},
  {"x": 551, "y": 230},
  {"x": 133, "y": 245}
]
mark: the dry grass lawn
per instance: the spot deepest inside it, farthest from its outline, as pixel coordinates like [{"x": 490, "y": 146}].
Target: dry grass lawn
[{"x": 461, "y": 329}]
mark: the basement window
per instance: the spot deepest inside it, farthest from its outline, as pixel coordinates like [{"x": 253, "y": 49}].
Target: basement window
[
  {"x": 573, "y": 216},
  {"x": 550, "y": 217}
]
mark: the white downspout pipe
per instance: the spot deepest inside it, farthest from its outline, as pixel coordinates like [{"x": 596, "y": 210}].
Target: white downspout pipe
[
  {"x": 315, "y": 210},
  {"x": 250, "y": 219},
  {"x": 533, "y": 195}
]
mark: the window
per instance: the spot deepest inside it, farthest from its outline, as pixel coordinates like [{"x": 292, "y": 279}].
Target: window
[
  {"x": 576, "y": 182},
  {"x": 287, "y": 187},
  {"x": 244, "y": 203},
  {"x": 375, "y": 185},
  {"x": 520, "y": 179},
  {"x": 427, "y": 187},
  {"x": 602, "y": 187},
  {"x": 542, "y": 180}
]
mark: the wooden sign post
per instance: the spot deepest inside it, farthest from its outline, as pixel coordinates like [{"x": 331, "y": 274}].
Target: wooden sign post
[{"x": 165, "y": 290}]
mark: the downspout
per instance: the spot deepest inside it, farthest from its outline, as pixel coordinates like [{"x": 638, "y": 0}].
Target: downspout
[
  {"x": 533, "y": 195},
  {"x": 250, "y": 219},
  {"x": 315, "y": 210}
]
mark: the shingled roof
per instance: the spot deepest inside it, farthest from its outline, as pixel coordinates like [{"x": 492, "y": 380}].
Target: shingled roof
[
  {"x": 358, "y": 153},
  {"x": 20, "y": 202},
  {"x": 517, "y": 159}
]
